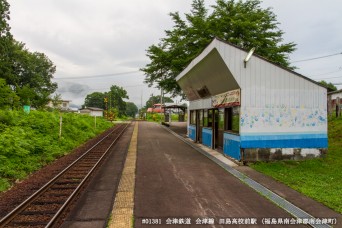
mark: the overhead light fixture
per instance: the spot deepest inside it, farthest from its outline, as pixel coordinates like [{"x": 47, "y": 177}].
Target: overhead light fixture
[{"x": 249, "y": 55}]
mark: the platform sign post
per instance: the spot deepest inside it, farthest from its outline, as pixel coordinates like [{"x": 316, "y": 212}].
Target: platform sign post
[{"x": 60, "y": 126}]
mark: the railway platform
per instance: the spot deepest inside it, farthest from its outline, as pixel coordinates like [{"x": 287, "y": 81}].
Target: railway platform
[
  {"x": 179, "y": 182},
  {"x": 155, "y": 176}
]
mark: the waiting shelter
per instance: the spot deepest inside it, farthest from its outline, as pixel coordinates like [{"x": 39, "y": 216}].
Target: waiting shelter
[
  {"x": 179, "y": 109},
  {"x": 252, "y": 109}
]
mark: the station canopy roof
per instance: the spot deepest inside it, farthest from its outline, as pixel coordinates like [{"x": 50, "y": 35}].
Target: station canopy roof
[
  {"x": 206, "y": 76},
  {"x": 175, "y": 105}
]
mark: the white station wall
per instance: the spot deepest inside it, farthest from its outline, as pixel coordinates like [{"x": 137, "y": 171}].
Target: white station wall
[{"x": 274, "y": 99}]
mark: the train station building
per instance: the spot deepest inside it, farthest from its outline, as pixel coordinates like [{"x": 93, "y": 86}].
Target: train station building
[{"x": 252, "y": 109}]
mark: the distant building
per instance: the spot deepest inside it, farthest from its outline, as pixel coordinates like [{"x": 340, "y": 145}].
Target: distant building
[
  {"x": 92, "y": 111},
  {"x": 63, "y": 105},
  {"x": 158, "y": 108},
  {"x": 175, "y": 108},
  {"x": 332, "y": 97}
]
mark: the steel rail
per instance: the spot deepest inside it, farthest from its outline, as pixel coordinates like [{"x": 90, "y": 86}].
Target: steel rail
[
  {"x": 71, "y": 197},
  {"x": 9, "y": 217}
]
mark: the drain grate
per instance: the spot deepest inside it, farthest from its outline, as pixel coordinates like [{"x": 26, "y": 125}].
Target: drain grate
[{"x": 276, "y": 199}]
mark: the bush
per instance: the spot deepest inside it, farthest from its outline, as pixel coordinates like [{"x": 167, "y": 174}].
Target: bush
[{"x": 30, "y": 141}]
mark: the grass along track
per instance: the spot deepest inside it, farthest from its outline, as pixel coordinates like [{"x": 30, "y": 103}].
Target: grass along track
[
  {"x": 46, "y": 205},
  {"x": 29, "y": 142},
  {"x": 319, "y": 179}
]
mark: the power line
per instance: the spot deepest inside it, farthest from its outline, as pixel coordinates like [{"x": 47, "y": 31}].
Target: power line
[
  {"x": 93, "y": 89},
  {"x": 99, "y": 75},
  {"x": 331, "y": 72},
  {"x": 328, "y": 78},
  {"x": 321, "y": 57}
]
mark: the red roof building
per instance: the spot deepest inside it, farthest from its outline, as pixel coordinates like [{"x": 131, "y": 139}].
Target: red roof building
[{"x": 157, "y": 108}]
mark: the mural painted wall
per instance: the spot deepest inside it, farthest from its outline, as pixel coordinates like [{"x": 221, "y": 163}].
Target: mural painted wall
[{"x": 282, "y": 119}]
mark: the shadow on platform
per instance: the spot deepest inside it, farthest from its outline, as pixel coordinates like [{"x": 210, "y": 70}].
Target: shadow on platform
[{"x": 178, "y": 127}]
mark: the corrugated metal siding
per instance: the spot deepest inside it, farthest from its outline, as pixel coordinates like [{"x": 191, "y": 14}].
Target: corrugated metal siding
[
  {"x": 207, "y": 136},
  {"x": 192, "y": 132},
  {"x": 274, "y": 99},
  {"x": 231, "y": 145},
  {"x": 284, "y": 140}
]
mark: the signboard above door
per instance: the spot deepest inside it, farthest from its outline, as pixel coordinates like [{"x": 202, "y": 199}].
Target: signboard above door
[{"x": 227, "y": 99}]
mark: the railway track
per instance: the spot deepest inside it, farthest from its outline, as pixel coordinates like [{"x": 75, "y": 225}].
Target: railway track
[{"x": 45, "y": 206}]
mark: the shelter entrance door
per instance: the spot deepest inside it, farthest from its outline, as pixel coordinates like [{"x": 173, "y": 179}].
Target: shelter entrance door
[
  {"x": 220, "y": 124},
  {"x": 218, "y": 128},
  {"x": 199, "y": 125}
]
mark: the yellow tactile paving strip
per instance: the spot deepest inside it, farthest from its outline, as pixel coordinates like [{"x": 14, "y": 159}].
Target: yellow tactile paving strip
[{"x": 122, "y": 214}]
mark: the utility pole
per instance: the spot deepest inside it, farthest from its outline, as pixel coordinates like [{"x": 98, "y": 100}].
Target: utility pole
[
  {"x": 161, "y": 103},
  {"x": 140, "y": 111},
  {"x": 161, "y": 92},
  {"x": 141, "y": 100}
]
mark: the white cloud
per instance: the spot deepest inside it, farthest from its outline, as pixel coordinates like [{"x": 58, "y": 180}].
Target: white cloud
[{"x": 86, "y": 37}]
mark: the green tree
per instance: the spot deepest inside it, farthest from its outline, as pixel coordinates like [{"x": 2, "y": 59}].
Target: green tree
[
  {"x": 26, "y": 95},
  {"x": 95, "y": 100},
  {"x": 4, "y": 18},
  {"x": 156, "y": 100},
  {"x": 5, "y": 40},
  {"x": 56, "y": 100},
  {"x": 113, "y": 113},
  {"x": 243, "y": 23},
  {"x": 8, "y": 99},
  {"x": 247, "y": 25},
  {"x": 115, "y": 99},
  {"x": 28, "y": 73},
  {"x": 131, "y": 109},
  {"x": 32, "y": 70},
  {"x": 329, "y": 85}
]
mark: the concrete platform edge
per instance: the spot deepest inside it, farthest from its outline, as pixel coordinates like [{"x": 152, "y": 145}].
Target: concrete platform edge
[{"x": 122, "y": 213}]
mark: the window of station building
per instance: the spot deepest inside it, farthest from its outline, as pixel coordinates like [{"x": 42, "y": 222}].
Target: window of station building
[
  {"x": 221, "y": 119},
  {"x": 193, "y": 117},
  {"x": 205, "y": 118},
  {"x": 232, "y": 117},
  {"x": 200, "y": 118},
  {"x": 236, "y": 119},
  {"x": 210, "y": 118}
]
